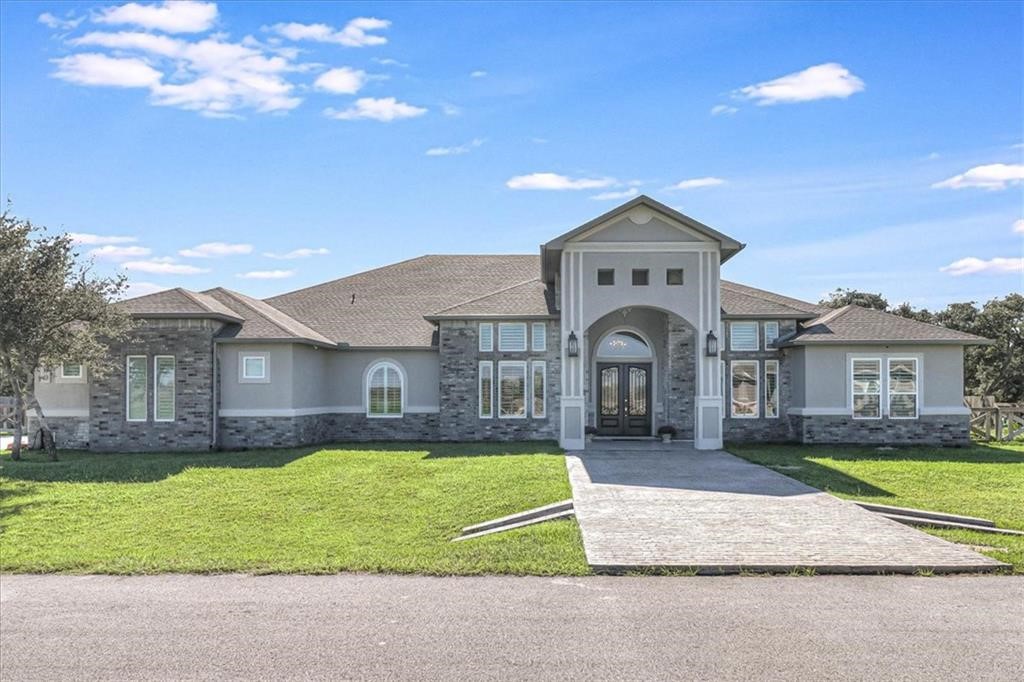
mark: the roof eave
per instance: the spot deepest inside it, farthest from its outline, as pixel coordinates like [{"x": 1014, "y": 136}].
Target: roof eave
[
  {"x": 280, "y": 340},
  {"x": 492, "y": 316},
  {"x": 187, "y": 316},
  {"x": 795, "y": 315},
  {"x": 888, "y": 342}
]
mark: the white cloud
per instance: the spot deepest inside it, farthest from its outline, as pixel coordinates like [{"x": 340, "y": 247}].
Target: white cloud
[
  {"x": 1018, "y": 226},
  {"x": 624, "y": 194},
  {"x": 142, "y": 289},
  {"x": 723, "y": 109},
  {"x": 823, "y": 81},
  {"x": 298, "y": 253},
  {"x": 554, "y": 181},
  {"x": 57, "y": 23},
  {"x": 181, "y": 16},
  {"x": 994, "y": 176},
  {"x": 449, "y": 109},
  {"x": 266, "y": 274},
  {"x": 216, "y": 250},
  {"x": 455, "y": 151},
  {"x": 695, "y": 183},
  {"x": 383, "y": 109},
  {"x": 96, "y": 239},
  {"x": 387, "y": 61},
  {"x": 163, "y": 266},
  {"x": 98, "y": 69},
  {"x": 111, "y": 252},
  {"x": 354, "y": 34},
  {"x": 133, "y": 40},
  {"x": 992, "y": 266},
  {"x": 478, "y": 74},
  {"x": 341, "y": 81}
]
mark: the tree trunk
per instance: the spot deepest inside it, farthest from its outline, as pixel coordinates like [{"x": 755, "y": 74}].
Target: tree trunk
[
  {"x": 48, "y": 442},
  {"x": 19, "y": 420}
]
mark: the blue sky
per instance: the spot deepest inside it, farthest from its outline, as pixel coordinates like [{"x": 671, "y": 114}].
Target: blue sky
[{"x": 875, "y": 146}]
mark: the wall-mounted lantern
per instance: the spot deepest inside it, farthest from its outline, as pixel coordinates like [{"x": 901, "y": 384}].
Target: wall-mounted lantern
[
  {"x": 712, "y": 345},
  {"x": 573, "y": 346}
]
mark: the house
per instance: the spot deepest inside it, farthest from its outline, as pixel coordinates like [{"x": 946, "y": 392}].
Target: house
[{"x": 623, "y": 324}]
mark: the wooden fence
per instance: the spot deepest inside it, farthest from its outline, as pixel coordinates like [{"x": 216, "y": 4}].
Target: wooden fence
[{"x": 995, "y": 421}]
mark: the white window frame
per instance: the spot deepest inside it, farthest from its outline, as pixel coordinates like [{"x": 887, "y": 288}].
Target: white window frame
[
  {"x": 485, "y": 369},
  {"x": 767, "y": 343},
  {"x": 757, "y": 390},
  {"x": 244, "y": 378},
  {"x": 888, "y": 387},
  {"x": 778, "y": 389},
  {"x": 543, "y": 345},
  {"x": 507, "y": 325},
  {"x": 128, "y": 389},
  {"x": 487, "y": 347},
  {"x": 521, "y": 365},
  {"x": 368, "y": 381},
  {"x": 534, "y": 367},
  {"x": 732, "y": 336},
  {"x": 881, "y": 387},
  {"x": 156, "y": 388},
  {"x": 72, "y": 377}
]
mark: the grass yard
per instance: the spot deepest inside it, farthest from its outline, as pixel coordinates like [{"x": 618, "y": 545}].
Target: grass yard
[
  {"x": 390, "y": 508},
  {"x": 985, "y": 480}
]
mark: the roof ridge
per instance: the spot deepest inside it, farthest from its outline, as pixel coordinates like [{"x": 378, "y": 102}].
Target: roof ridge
[
  {"x": 194, "y": 297},
  {"x": 759, "y": 293},
  {"x": 240, "y": 298},
  {"x": 487, "y": 295},
  {"x": 833, "y": 314},
  {"x": 354, "y": 274}
]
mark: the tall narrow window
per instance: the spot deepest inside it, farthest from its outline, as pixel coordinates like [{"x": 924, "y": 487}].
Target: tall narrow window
[
  {"x": 163, "y": 388},
  {"x": 744, "y": 389},
  {"x": 771, "y": 333},
  {"x": 903, "y": 388},
  {"x": 512, "y": 336},
  {"x": 136, "y": 378},
  {"x": 867, "y": 388},
  {"x": 539, "y": 337},
  {"x": 384, "y": 391},
  {"x": 486, "y": 337},
  {"x": 771, "y": 388},
  {"x": 539, "y": 382},
  {"x": 743, "y": 336},
  {"x": 486, "y": 387},
  {"x": 512, "y": 390}
]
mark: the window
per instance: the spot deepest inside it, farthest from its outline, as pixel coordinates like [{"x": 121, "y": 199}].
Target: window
[
  {"x": 605, "y": 278},
  {"x": 539, "y": 384},
  {"x": 744, "y": 389},
  {"x": 254, "y": 367},
  {"x": 486, "y": 337},
  {"x": 512, "y": 390},
  {"x": 743, "y": 336},
  {"x": 71, "y": 370},
  {"x": 867, "y": 388},
  {"x": 486, "y": 389},
  {"x": 771, "y": 388},
  {"x": 512, "y": 336},
  {"x": 384, "y": 390},
  {"x": 903, "y": 388},
  {"x": 163, "y": 388},
  {"x": 539, "y": 337},
  {"x": 771, "y": 333},
  {"x": 641, "y": 277},
  {"x": 623, "y": 344},
  {"x": 674, "y": 277},
  {"x": 136, "y": 376}
]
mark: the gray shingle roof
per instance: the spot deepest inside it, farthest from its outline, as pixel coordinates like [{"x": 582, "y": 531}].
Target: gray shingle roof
[
  {"x": 262, "y": 322},
  {"x": 178, "y": 302},
  {"x": 853, "y": 324},
  {"x": 527, "y": 299},
  {"x": 739, "y": 300}
]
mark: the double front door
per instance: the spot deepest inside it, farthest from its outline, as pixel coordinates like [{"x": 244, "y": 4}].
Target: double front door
[{"x": 624, "y": 399}]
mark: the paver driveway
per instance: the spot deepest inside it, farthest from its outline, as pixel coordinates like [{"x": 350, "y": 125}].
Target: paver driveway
[{"x": 647, "y": 505}]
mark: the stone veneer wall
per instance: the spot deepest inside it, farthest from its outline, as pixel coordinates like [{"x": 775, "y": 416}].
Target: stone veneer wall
[
  {"x": 762, "y": 429},
  {"x": 459, "y": 390},
  {"x": 925, "y": 430},
  {"x": 71, "y": 433},
  {"x": 277, "y": 432},
  {"x": 681, "y": 377},
  {"x": 191, "y": 343}
]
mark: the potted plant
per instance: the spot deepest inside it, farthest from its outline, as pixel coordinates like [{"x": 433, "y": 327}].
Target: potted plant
[
  {"x": 667, "y": 433},
  {"x": 589, "y": 432}
]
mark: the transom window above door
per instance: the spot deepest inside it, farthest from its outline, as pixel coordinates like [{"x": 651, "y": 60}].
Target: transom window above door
[{"x": 623, "y": 344}]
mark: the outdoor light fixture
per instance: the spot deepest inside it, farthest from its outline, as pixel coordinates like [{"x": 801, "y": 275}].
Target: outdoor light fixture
[
  {"x": 712, "y": 347},
  {"x": 573, "y": 347}
]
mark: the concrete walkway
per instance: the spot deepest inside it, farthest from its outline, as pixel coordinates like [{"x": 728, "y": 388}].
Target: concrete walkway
[{"x": 646, "y": 505}]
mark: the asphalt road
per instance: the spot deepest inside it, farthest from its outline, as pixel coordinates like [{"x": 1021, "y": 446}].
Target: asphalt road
[{"x": 393, "y": 627}]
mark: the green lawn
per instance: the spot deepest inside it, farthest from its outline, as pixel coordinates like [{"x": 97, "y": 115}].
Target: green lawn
[
  {"x": 982, "y": 480},
  {"x": 390, "y": 508}
]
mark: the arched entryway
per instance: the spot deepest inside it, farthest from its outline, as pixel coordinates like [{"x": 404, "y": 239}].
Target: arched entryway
[{"x": 624, "y": 386}]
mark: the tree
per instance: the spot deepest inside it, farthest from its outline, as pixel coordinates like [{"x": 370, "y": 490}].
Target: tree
[
  {"x": 54, "y": 309},
  {"x": 842, "y": 297}
]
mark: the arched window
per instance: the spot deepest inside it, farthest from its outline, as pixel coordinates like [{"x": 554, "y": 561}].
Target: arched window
[
  {"x": 385, "y": 386},
  {"x": 623, "y": 344}
]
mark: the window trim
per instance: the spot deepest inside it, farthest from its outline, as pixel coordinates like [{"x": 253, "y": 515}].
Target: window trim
[
  {"x": 853, "y": 387},
  {"x": 917, "y": 386},
  {"x": 368, "y": 380},
  {"x": 526, "y": 393},
  {"x": 489, "y": 366},
  {"x": 682, "y": 277},
  {"x": 767, "y": 344},
  {"x": 646, "y": 272},
  {"x": 732, "y": 336},
  {"x": 156, "y": 388},
  {"x": 243, "y": 378},
  {"x": 526, "y": 340},
  {"x": 128, "y": 390},
  {"x": 757, "y": 390},
  {"x": 544, "y": 337},
  {"x": 778, "y": 390},
  {"x": 72, "y": 377},
  {"x": 542, "y": 366},
  {"x": 605, "y": 284},
  {"x": 489, "y": 347}
]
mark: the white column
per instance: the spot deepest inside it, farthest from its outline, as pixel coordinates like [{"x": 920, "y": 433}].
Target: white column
[
  {"x": 573, "y": 417},
  {"x": 708, "y": 404}
]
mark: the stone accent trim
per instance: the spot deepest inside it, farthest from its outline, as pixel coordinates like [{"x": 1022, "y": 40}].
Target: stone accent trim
[
  {"x": 926, "y": 430},
  {"x": 69, "y": 433},
  {"x": 280, "y": 432}
]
